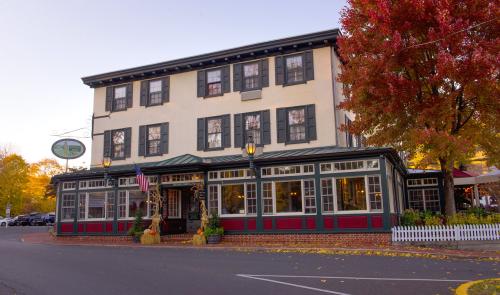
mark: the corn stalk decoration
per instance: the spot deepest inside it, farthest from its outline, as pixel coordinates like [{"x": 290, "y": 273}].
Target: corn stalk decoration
[{"x": 152, "y": 233}]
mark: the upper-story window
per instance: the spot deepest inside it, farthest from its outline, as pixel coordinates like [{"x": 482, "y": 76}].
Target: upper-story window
[
  {"x": 296, "y": 124},
  {"x": 120, "y": 98},
  {"x": 295, "y": 68},
  {"x": 252, "y": 127},
  {"x": 153, "y": 140},
  {"x": 155, "y": 92},
  {"x": 255, "y": 124},
  {"x": 214, "y": 133},
  {"x": 117, "y": 143},
  {"x": 251, "y": 76},
  {"x": 214, "y": 82}
]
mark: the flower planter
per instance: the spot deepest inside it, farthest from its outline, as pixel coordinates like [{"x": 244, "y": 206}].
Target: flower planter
[{"x": 214, "y": 239}]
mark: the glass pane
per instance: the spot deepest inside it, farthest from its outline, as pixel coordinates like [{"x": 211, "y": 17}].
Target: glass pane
[
  {"x": 251, "y": 70},
  {"x": 110, "y": 205},
  {"x": 136, "y": 202},
  {"x": 294, "y": 69},
  {"x": 351, "y": 194},
  {"x": 233, "y": 199},
  {"x": 213, "y": 76},
  {"x": 267, "y": 197},
  {"x": 155, "y": 86},
  {"x": 96, "y": 205},
  {"x": 252, "y": 127},
  {"x": 120, "y": 92},
  {"x": 296, "y": 117},
  {"x": 288, "y": 197},
  {"x": 118, "y": 137},
  {"x": 214, "y": 125},
  {"x": 327, "y": 195},
  {"x": 213, "y": 199}
]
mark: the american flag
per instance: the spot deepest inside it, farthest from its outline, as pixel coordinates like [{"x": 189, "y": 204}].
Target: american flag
[{"x": 142, "y": 180}]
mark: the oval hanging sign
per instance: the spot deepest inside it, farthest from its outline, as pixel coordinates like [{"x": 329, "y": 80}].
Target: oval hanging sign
[{"x": 68, "y": 148}]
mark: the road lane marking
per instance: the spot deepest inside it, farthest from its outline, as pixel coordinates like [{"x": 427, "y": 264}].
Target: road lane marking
[
  {"x": 292, "y": 285},
  {"x": 354, "y": 278}
]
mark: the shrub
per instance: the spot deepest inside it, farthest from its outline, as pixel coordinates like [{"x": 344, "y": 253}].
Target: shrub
[
  {"x": 410, "y": 217},
  {"x": 473, "y": 217},
  {"x": 136, "y": 229},
  {"x": 214, "y": 227},
  {"x": 433, "y": 220}
]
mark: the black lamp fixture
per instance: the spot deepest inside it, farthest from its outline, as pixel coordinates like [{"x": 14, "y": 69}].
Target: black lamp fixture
[
  {"x": 106, "y": 163},
  {"x": 251, "y": 149}
]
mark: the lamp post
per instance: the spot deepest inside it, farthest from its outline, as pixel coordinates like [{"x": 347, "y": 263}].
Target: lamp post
[
  {"x": 106, "y": 163},
  {"x": 251, "y": 149}
]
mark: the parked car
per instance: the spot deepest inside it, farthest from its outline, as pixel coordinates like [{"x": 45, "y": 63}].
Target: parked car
[
  {"x": 13, "y": 221},
  {"x": 49, "y": 218},
  {"x": 4, "y": 221},
  {"x": 35, "y": 218},
  {"x": 23, "y": 220}
]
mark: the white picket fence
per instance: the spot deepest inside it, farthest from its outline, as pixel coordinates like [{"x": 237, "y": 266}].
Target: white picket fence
[{"x": 465, "y": 232}]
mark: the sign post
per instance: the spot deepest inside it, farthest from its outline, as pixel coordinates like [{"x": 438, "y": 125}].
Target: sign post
[{"x": 7, "y": 210}]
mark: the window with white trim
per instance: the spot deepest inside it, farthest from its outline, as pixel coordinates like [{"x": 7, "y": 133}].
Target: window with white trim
[
  {"x": 174, "y": 204},
  {"x": 232, "y": 199},
  {"x": 424, "y": 199},
  {"x": 155, "y": 94},
  {"x": 122, "y": 204},
  {"x": 422, "y": 182},
  {"x": 136, "y": 202},
  {"x": 348, "y": 166},
  {"x": 120, "y": 98},
  {"x": 289, "y": 197},
  {"x": 306, "y": 169},
  {"x": 68, "y": 206},
  {"x": 68, "y": 186},
  {"x": 110, "y": 205},
  {"x": 327, "y": 195},
  {"x": 309, "y": 197},
  {"x": 96, "y": 205},
  {"x": 82, "y": 206},
  {"x": 267, "y": 197},
  {"x": 213, "y": 199},
  {"x": 251, "y": 197},
  {"x": 351, "y": 194},
  {"x": 375, "y": 192}
]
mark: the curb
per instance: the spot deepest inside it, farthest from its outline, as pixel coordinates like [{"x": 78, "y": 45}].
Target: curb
[{"x": 464, "y": 288}]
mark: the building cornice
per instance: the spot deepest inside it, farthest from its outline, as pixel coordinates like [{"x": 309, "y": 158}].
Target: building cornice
[{"x": 235, "y": 55}]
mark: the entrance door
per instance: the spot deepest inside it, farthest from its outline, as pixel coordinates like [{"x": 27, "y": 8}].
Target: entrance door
[
  {"x": 173, "y": 220},
  {"x": 174, "y": 205}
]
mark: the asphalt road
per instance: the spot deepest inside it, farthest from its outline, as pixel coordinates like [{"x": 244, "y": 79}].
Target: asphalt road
[{"x": 47, "y": 269}]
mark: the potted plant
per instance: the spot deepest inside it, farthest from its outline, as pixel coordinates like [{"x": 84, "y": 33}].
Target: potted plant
[
  {"x": 136, "y": 230},
  {"x": 214, "y": 231}
]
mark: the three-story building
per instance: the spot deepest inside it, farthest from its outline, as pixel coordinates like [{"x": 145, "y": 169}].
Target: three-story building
[{"x": 187, "y": 121}]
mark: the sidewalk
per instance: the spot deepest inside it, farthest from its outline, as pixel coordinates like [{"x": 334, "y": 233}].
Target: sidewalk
[{"x": 323, "y": 249}]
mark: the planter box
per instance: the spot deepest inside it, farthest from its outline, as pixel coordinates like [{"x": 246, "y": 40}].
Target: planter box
[{"x": 214, "y": 239}]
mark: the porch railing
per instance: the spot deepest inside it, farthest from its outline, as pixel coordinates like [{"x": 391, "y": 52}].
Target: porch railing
[{"x": 441, "y": 233}]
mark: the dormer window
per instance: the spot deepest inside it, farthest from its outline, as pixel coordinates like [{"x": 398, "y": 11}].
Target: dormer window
[
  {"x": 214, "y": 82},
  {"x": 120, "y": 98}
]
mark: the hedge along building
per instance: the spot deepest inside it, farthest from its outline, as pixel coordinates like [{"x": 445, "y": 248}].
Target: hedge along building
[{"x": 187, "y": 121}]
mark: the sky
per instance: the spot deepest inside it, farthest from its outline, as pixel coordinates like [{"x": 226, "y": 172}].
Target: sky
[{"x": 47, "y": 46}]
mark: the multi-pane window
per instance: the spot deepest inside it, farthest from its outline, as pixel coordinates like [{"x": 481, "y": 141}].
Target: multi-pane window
[
  {"x": 122, "y": 204},
  {"x": 214, "y": 133},
  {"x": 251, "y": 195},
  {"x": 251, "y": 76},
  {"x": 118, "y": 141},
  {"x": 288, "y": 196},
  {"x": 296, "y": 125},
  {"x": 136, "y": 202},
  {"x": 120, "y": 98},
  {"x": 309, "y": 197},
  {"x": 252, "y": 128},
  {"x": 267, "y": 197},
  {"x": 327, "y": 195},
  {"x": 96, "y": 205},
  {"x": 82, "y": 206},
  {"x": 294, "y": 69},
  {"x": 155, "y": 92},
  {"x": 422, "y": 182},
  {"x": 213, "y": 197},
  {"x": 424, "y": 199},
  {"x": 110, "y": 205},
  {"x": 153, "y": 142},
  {"x": 233, "y": 199},
  {"x": 351, "y": 194},
  {"x": 174, "y": 204},
  {"x": 68, "y": 206},
  {"x": 214, "y": 82},
  {"x": 69, "y": 186},
  {"x": 375, "y": 192}
]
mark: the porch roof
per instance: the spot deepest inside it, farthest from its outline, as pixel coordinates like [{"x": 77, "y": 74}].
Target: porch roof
[{"x": 190, "y": 162}]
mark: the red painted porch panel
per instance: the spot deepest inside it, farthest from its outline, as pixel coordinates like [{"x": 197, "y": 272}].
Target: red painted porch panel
[
  {"x": 95, "y": 227},
  {"x": 377, "y": 221},
  {"x": 233, "y": 224},
  {"x": 328, "y": 222},
  {"x": 268, "y": 223},
  {"x": 109, "y": 227},
  {"x": 352, "y": 221},
  {"x": 81, "y": 227},
  {"x": 289, "y": 223},
  {"x": 66, "y": 227},
  {"x": 252, "y": 224},
  {"x": 121, "y": 226},
  {"x": 311, "y": 223}
]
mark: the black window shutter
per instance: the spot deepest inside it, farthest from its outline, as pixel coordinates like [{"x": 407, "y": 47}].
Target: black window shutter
[
  {"x": 280, "y": 70},
  {"x": 311, "y": 122},
  {"x": 144, "y": 93},
  {"x": 201, "y": 83},
  {"x": 266, "y": 126},
  {"x": 238, "y": 131},
  {"x": 130, "y": 96},
  {"x": 165, "y": 89},
  {"x": 226, "y": 131},
  {"x": 142, "y": 140},
  {"x": 226, "y": 79},
  {"x": 201, "y": 142},
  {"x": 308, "y": 56},
  {"x": 107, "y": 144},
  {"x": 281, "y": 123},
  {"x": 128, "y": 141},
  {"x": 109, "y": 99},
  {"x": 237, "y": 77},
  {"x": 264, "y": 73},
  {"x": 164, "y": 138}
]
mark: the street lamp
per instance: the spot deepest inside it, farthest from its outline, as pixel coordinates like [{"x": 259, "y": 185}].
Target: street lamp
[
  {"x": 251, "y": 149},
  {"x": 106, "y": 163}
]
